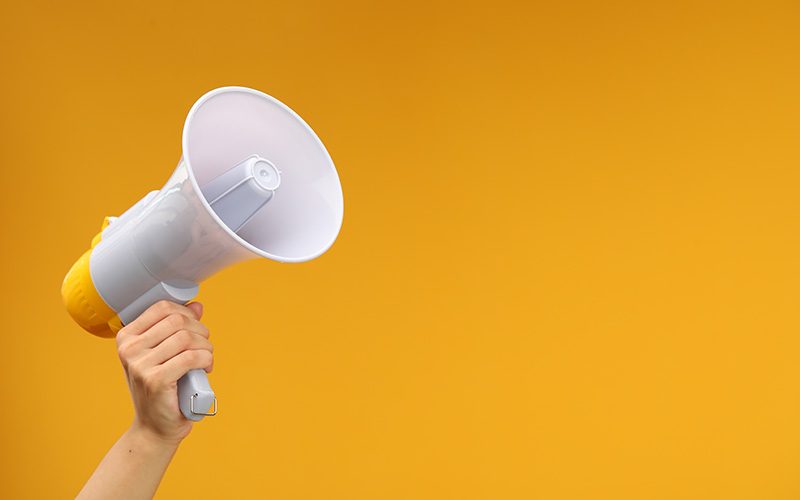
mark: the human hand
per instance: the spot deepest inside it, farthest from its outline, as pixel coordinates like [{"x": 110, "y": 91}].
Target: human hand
[{"x": 156, "y": 349}]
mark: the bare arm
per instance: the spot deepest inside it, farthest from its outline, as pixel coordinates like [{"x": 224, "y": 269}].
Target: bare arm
[{"x": 156, "y": 349}]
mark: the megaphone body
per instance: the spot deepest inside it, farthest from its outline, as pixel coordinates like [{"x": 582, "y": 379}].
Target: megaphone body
[{"x": 254, "y": 181}]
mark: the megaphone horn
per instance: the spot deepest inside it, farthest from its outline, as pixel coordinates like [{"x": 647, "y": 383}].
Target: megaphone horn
[{"x": 254, "y": 181}]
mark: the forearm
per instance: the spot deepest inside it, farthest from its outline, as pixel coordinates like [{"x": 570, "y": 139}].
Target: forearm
[
  {"x": 132, "y": 468},
  {"x": 156, "y": 349}
]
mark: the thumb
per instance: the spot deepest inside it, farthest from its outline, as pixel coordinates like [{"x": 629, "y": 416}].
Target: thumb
[{"x": 197, "y": 309}]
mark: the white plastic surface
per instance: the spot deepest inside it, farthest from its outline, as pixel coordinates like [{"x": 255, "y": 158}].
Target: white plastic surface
[
  {"x": 174, "y": 239},
  {"x": 238, "y": 194},
  {"x": 232, "y": 123},
  {"x": 175, "y": 236}
]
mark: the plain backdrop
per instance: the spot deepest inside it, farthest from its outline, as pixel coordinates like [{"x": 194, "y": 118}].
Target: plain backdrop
[{"x": 568, "y": 268}]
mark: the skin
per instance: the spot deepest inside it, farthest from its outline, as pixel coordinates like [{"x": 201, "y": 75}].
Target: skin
[{"x": 156, "y": 349}]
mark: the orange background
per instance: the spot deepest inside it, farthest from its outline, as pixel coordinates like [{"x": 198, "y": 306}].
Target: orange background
[{"x": 569, "y": 267}]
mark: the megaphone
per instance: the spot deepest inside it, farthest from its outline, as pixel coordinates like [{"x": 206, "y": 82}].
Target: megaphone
[{"x": 254, "y": 181}]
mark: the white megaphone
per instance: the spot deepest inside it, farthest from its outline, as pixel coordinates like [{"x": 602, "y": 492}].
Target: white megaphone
[{"x": 254, "y": 181}]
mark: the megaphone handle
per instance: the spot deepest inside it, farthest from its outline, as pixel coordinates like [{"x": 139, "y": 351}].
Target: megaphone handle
[{"x": 195, "y": 396}]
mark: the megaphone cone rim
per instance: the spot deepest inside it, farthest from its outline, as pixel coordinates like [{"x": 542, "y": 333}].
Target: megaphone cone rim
[{"x": 186, "y": 158}]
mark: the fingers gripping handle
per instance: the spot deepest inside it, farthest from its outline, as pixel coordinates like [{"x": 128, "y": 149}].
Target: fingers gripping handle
[{"x": 195, "y": 396}]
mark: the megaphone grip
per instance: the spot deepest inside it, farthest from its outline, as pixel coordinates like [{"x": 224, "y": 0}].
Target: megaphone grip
[{"x": 195, "y": 396}]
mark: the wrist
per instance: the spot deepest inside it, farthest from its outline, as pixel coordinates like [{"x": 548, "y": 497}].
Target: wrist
[{"x": 151, "y": 440}]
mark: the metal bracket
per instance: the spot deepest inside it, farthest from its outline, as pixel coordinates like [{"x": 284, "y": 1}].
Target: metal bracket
[{"x": 191, "y": 407}]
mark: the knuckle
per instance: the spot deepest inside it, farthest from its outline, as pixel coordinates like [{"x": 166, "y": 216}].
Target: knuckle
[
  {"x": 195, "y": 356},
  {"x": 165, "y": 304},
  {"x": 152, "y": 381},
  {"x": 205, "y": 358},
  {"x": 162, "y": 306},
  {"x": 184, "y": 339},
  {"x": 125, "y": 351},
  {"x": 198, "y": 357},
  {"x": 198, "y": 329},
  {"x": 203, "y": 330},
  {"x": 176, "y": 321},
  {"x": 182, "y": 320},
  {"x": 136, "y": 371}
]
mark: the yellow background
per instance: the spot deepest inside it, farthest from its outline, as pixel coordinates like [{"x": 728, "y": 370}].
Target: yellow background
[{"x": 569, "y": 267}]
